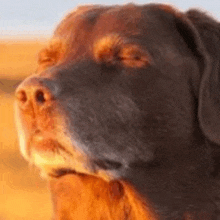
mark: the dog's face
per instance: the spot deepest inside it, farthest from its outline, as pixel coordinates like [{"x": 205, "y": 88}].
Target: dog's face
[{"x": 116, "y": 96}]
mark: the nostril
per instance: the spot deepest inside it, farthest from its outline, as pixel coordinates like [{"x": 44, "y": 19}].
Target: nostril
[
  {"x": 36, "y": 91},
  {"x": 21, "y": 96},
  {"x": 40, "y": 96}
]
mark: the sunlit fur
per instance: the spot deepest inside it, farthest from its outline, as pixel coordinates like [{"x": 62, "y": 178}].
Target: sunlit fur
[
  {"x": 50, "y": 55},
  {"x": 108, "y": 48},
  {"x": 114, "y": 48},
  {"x": 96, "y": 199}
]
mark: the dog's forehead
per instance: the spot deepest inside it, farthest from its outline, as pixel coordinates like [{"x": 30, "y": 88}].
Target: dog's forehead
[{"x": 98, "y": 20}]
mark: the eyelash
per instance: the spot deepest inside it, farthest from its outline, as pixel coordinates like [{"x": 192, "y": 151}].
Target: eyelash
[{"x": 47, "y": 60}]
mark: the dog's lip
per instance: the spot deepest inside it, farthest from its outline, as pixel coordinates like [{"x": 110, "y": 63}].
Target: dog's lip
[
  {"x": 54, "y": 158},
  {"x": 62, "y": 172},
  {"x": 44, "y": 143},
  {"x": 50, "y": 157}
]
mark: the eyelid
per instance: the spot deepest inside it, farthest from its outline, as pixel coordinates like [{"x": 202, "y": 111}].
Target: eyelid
[
  {"x": 43, "y": 56},
  {"x": 45, "y": 60},
  {"x": 131, "y": 51},
  {"x": 114, "y": 49},
  {"x": 53, "y": 52}
]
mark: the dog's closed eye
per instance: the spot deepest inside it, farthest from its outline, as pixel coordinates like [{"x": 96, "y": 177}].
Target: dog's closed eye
[
  {"x": 114, "y": 49},
  {"x": 50, "y": 55}
]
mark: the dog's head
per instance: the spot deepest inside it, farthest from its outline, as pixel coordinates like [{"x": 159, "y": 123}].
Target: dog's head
[{"x": 128, "y": 93}]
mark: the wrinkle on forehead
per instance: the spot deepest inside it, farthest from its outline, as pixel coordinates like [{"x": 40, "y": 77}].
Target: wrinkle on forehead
[
  {"x": 76, "y": 29},
  {"x": 125, "y": 17},
  {"x": 71, "y": 19},
  {"x": 85, "y": 25},
  {"x": 122, "y": 19}
]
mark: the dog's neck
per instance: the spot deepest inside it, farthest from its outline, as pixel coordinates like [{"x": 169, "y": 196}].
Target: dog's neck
[{"x": 86, "y": 197}]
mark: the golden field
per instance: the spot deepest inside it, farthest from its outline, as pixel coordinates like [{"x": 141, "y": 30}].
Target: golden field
[{"x": 23, "y": 194}]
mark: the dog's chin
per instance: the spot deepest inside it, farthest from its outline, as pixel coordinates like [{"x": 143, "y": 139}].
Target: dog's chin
[{"x": 55, "y": 160}]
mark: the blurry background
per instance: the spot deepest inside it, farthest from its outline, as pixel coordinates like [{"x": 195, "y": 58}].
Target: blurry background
[{"x": 25, "y": 25}]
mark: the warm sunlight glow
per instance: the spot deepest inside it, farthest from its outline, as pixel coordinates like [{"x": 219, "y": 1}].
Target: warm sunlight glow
[{"x": 22, "y": 189}]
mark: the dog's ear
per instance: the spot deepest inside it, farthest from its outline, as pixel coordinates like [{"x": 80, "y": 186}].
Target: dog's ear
[
  {"x": 202, "y": 35},
  {"x": 209, "y": 94}
]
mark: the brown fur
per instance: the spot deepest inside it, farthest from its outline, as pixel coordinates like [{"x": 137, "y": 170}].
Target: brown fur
[
  {"x": 86, "y": 197},
  {"x": 122, "y": 115}
]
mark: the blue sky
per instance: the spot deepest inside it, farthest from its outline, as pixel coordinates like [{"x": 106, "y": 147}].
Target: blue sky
[{"x": 39, "y": 17}]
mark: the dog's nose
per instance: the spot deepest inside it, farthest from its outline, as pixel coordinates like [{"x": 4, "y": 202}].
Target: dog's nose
[{"x": 37, "y": 91}]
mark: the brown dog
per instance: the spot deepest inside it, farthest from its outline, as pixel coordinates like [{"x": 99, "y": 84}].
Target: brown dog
[{"x": 123, "y": 115}]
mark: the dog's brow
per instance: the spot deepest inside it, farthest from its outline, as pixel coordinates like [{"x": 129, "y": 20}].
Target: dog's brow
[
  {"x": 115, "y": 47},
  {"x": 112, "y": 40},
  {"x": 53, "y": 51},
  {"x": 109, "y": 44}
]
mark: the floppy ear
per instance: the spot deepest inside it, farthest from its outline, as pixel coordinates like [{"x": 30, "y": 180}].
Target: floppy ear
[
  {"x": 202, "y": 34},
  {"x": 209, "y": 93}
]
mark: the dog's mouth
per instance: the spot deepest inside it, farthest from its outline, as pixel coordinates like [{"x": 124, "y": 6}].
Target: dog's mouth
[
  {"x": 55, "y": 160},
  {"x": 48, "y": 145}
]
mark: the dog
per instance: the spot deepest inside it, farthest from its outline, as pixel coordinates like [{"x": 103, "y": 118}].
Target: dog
[{"x": 123, "y": 114}]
